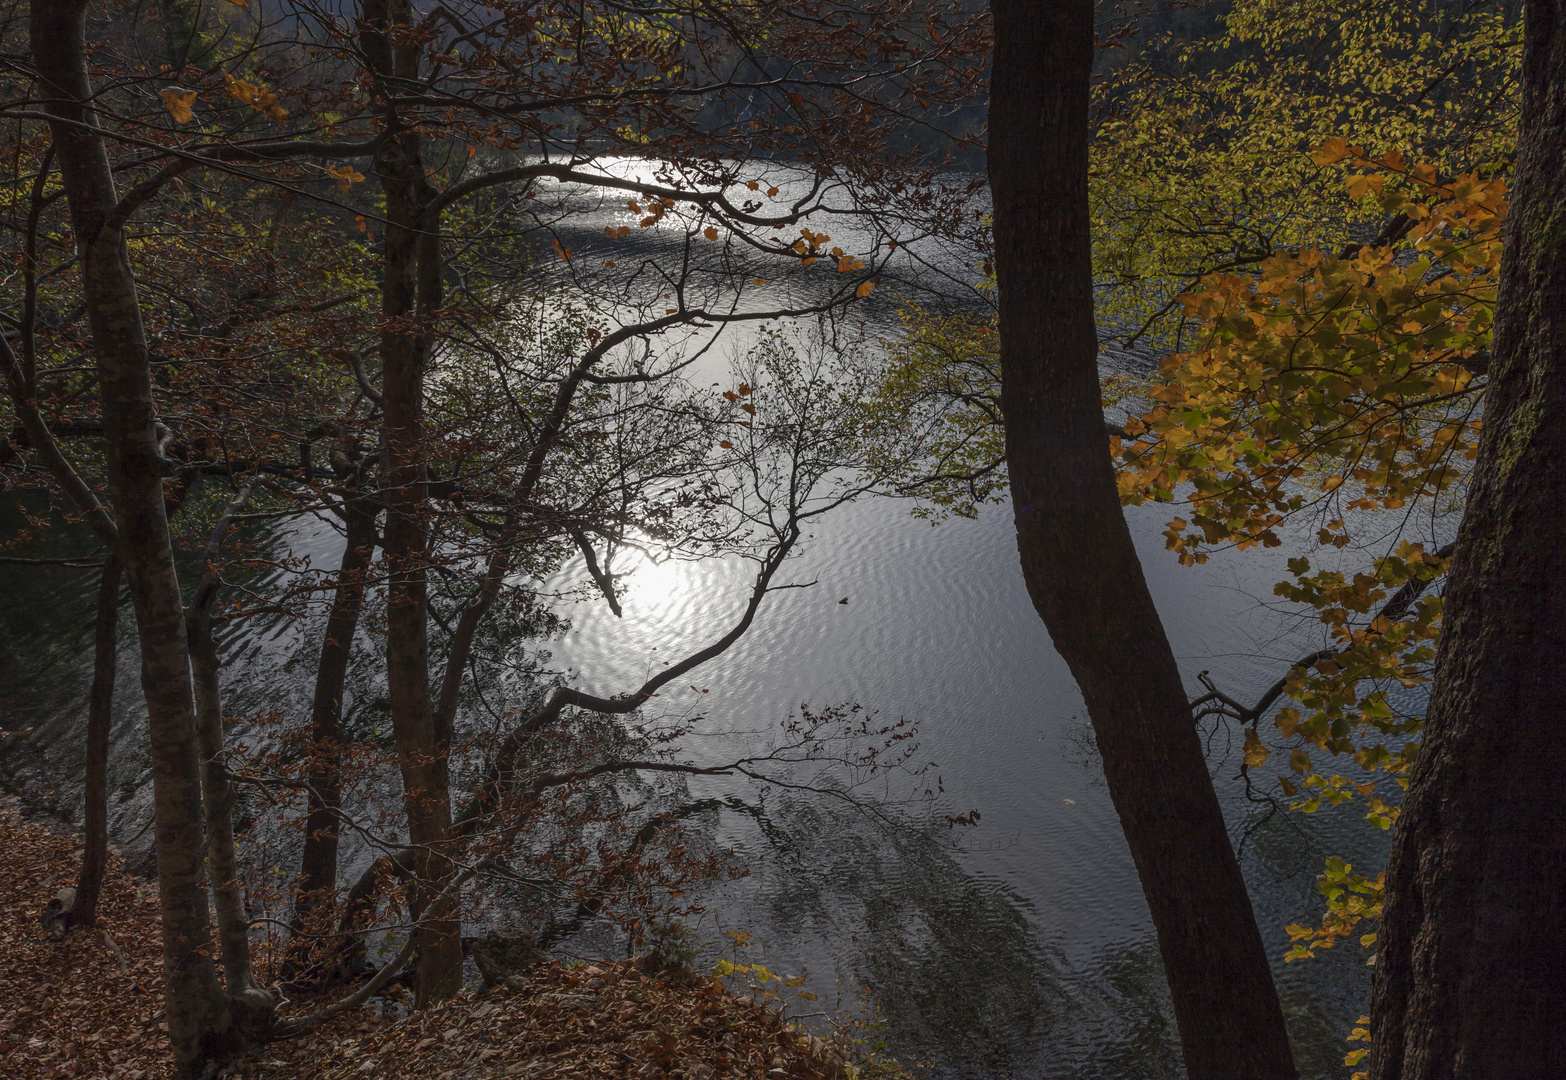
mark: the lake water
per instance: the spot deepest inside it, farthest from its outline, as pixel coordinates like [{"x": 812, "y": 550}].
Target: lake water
[
  {"x": 1021, "y": 946},
  {"x": 1018, "y": 947}
]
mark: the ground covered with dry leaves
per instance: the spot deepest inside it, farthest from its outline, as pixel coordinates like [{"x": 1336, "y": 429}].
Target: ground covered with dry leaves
[
  {"x": 593, "y": 1021},
  {"x": 90, "y": 1006}
]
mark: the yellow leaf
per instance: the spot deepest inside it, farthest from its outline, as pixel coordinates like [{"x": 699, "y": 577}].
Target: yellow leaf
[
  {"x": 758, "y": 281},
  {"x": 1255, "y": 752},
  {"x": 244, "y": 92},
  {"x": 256, "y": 97},
  {"x": 178, "y": 102},
  {"x": 344, "y": 175}
]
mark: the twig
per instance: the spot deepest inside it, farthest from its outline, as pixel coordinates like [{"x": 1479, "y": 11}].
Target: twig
[{"x": 118, "y": 955}]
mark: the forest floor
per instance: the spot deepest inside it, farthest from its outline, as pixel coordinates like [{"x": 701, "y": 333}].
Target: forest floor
[{"x": 90, "y": 1007}]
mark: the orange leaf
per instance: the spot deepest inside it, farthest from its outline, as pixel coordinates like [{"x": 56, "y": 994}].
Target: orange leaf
[
  {"x": 864, "y": 289},
  {"x": 1331, "y": 151},
  {"x": 344, "y": 175},
  {"x": 178, "y": 102},
  {"x": 710, "y": 233}
]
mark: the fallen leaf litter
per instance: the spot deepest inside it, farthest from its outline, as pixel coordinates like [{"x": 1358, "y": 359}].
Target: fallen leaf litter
[{"x": 90, "y": 1007}]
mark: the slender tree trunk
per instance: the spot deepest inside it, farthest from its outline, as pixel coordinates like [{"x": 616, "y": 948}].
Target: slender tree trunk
[
  {"x": 318, "y": 863},
  {"x": 1077, "y": 556},
  {"x": 410, "y": 294},
  {"x": 198, "y": 1015},
  {"x": 252, "y": 1006},
  {"x": 1470, "y": 979},
  {"x": 222, "y": 859},
  {"x": 100, "y": 703}
]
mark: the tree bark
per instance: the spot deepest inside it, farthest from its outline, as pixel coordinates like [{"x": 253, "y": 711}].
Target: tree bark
[
  {"x": 318, "y": 862},
  {"x": 95, "y": 784},
  {"x": 197, "y": 1011},
  {"x": 410, "y": 294},
  {"x": 1468, "y": 979},
  {"x": 1078, "y": 559},
  {"x": 252, "y": 1005}
]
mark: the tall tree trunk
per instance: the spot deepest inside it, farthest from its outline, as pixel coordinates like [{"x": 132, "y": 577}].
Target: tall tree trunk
[
  {"x": 410, "y": 294},
  {"x": 100, "y": 718},
  {"x": 1469, "y": 977},
  {"x": 318, "y": 863},
  {"x": 1077, "y": 556},
  {"x": 199, "y": 1021}
]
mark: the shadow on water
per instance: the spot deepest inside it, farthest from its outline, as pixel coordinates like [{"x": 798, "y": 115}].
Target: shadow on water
[
  {"x": 881, "y": 911},
  {"x": 46, "y": 640},
  {"x": 46, "y": 634}
]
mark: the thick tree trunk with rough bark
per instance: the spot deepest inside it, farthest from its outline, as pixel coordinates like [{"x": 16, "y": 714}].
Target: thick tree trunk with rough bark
[
  {"x": 100, "y": 718},
  {"x": 197, "y": 1010},
  {"x": 410, "y": 294},
  {"x": 1078, "y": 560},
  {"x": 1470, "y": 976},
  {"x": 318, "y": 862}
]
